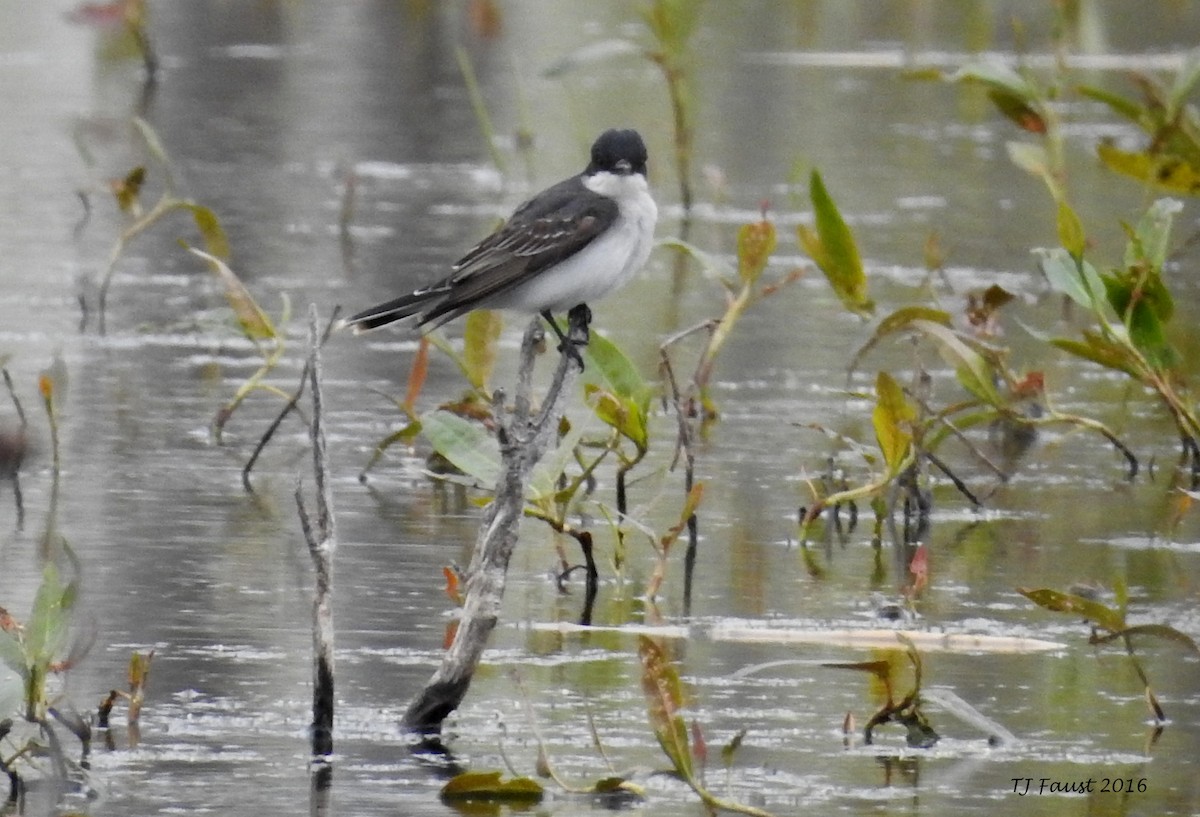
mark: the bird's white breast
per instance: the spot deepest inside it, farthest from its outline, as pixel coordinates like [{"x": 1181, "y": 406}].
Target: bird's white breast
[{"x": 603, "y": 265}]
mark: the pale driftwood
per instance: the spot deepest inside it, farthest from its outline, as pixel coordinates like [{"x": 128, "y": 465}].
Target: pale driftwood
[
  {"x": 524, "y": 437},
  {"x": 321, "y": 537},
  {"x": 855, "y": 638}
]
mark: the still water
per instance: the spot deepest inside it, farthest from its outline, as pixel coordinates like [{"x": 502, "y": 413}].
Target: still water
[{"x": 266, "y": 109}]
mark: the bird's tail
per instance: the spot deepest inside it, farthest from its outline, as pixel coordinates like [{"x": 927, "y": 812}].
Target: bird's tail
[{"x": 397, "y": 309}]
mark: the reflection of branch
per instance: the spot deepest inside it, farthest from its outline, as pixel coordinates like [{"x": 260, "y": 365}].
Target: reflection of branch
[
  {"x": 524, "y": 437},
  {"x": 322, "y": 541}
]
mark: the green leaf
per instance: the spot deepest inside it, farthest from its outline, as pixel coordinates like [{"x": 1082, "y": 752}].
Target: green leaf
[
  {"x": 1099, "y": 614},
  {"x": 1078, "y": 280},
  {"x": 543, "y": 481},
  {"x": 664, "y": 699},
  {"x": 254, "y": 322},
  {"x": 892, "y": 419},
  {"x": 479, "y": 345},
  {"x": 672, "y": 23},
  {"x": 215, "y": 240},
  {"x": 467, "y": 445},
  {"x": 46, "y": 631},
  {"x": 972, "y": 369},
  {"x": 1099, "y": 349},
  {"x": 1033, "y": 160},
  {"x": 1152, "y": 237},
  {"x": 898, "y": 321},
  {"x": 1070, "y": 229},
  {"x": 1168, "y": 172},
  {"x": 1122, "y": 106},
  {"x": 998, "y": 76},
  {"x": 616, "y": 369},
  {"x": 755, "y": 243},
  {"x": 1163, "y": 631},
  {"x": 491, "y": 786},
  {"x": 833, "y": 249},
  {"x": 622, "y": 414}
]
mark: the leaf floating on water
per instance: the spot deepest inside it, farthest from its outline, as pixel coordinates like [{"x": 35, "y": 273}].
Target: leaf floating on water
[
  {"x": 492, "y": 786},
  {"x": 1095, "y": 612}
]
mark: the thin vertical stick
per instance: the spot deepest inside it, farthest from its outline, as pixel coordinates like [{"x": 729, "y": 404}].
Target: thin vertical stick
[{"x": 322, "y": 541}]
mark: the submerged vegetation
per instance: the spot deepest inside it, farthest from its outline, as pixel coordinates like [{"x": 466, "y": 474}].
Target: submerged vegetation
[{"x": 616, "y": 467}]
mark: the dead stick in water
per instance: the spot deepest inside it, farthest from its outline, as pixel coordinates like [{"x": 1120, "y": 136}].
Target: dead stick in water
[
  {"x": 524, "y": 438},
  {"x": 322, "y": 541}
]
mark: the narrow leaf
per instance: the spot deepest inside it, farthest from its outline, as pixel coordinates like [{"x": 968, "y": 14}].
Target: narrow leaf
[
  {"x": 215, "y": 240},
  {"x": 892, "y": 419},
  {"x": 1093, "y": 611},
  {"x": 254, "y": 322},
  {"x": 664, "y": 699},
  {"x": 1098, "y": 350},
  {"x": 974, "y": 372},
  {"x": 479, "y": 345},
  {"x": 898, "y": 321},
  {"x": 833, "y": 248},
  {"x": 1070, "y": 229}
]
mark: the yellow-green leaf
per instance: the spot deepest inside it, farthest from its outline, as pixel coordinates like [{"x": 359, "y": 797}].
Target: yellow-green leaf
[
  {"x": 973, "y": 371},
  {"x": 832, "y": 246},
  {"x": 1168, "y": 172},
  {"x": 1094, "y": 611},
  {"x": 479, "y": 345},
  {"x": 893, "y": 417},
  {"x": 897, "y": 321},
  {"x": 1099, "y": 350},
  {"x": 491, "y": 786},
  {"x": 215, "y": 240},
  {"x": 254, "y": 322},
  {"x": 755, "y": 243},
  {"x": 1070, "y": 229},
  {"x": 623, "y": 414}
]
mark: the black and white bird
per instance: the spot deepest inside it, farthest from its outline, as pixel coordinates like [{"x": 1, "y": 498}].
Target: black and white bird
[{"x": 569, "y": 245}]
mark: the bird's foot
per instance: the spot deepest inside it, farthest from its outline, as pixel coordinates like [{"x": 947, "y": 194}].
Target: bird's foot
[{"x": 576, "y": 336}]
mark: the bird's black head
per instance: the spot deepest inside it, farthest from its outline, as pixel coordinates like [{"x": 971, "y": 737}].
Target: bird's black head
[{"x": 618, "y": 151}]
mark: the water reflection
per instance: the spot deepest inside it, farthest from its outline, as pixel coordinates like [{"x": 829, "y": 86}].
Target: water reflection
[{"x": 266, "y": 109}]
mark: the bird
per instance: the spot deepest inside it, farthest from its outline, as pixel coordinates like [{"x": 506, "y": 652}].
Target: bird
[{"x": 573, "y": 243}]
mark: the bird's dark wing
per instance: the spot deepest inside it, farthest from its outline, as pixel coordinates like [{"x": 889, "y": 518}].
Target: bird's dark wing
[{"x": 547, "y": 229}]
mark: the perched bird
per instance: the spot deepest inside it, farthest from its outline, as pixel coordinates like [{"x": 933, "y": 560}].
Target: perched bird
[{"x": 573, "y": 243}]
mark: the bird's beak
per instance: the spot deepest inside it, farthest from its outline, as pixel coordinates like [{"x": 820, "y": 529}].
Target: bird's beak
[{"x": 623, "y": 167}]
